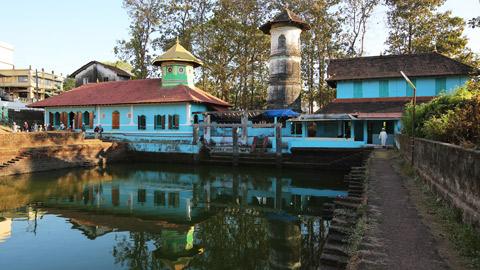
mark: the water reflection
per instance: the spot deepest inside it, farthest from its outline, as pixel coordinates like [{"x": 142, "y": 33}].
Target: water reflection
[{"x": 176, "y": 216}]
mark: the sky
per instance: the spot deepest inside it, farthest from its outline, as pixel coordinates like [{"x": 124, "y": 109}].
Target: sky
[{"x": 63, "y": 35}]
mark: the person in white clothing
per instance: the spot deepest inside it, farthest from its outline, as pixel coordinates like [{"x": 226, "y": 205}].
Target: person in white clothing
[{"x": 383, "y": 137}]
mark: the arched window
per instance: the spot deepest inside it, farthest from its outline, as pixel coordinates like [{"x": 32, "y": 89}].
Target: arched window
[
  {"x": 86, "y": 119},
  {"x": 282, "y": 42},
  {"x": 142, "y": 122},
  {"x": 56, "y": 119},
  {"x": 71, "y": 119},
  {"x": 115, "y": 120}
]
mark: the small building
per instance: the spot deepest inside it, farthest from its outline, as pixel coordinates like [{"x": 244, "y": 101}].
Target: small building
[
  {"x": 372, "y": 94},
  {"x": 29, "y": 85},
  {"x": 148, "y": 113},
  {"x": 95, "y": 71}
]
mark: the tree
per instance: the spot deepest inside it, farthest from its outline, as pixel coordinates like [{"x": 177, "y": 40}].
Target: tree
[
  {"x": 121, "y": 65},
  {"x": 416, "y": 27},
  {"x": 68, "y": 84},
  {"x": 145, "y": 16},
  {"x": 356, "y": 14}
]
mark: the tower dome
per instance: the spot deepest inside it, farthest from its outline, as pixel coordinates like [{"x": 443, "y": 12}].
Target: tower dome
[
  {"x": 285, "y": 83},
  {"x": 177, "y": 66}
]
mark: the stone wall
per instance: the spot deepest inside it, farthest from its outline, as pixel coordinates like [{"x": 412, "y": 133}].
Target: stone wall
[
  {"x": 451, "y": 172},
  {"x": 32, "y": 139},
  {"x": 42, "y": 151},
  {"x": 61, "y": 156}
]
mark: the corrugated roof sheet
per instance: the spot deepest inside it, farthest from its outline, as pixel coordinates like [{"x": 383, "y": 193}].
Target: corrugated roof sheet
[
  {"x": 129, "y": 92},
  {"x": 389, "y": 66}
]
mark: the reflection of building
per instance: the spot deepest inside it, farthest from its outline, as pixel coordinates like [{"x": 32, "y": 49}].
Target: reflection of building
[
  {"x": 5, "y": 228},
  {"x": 285, "y": 241},
  {"x": 185, "y": 197},
  {"x": 177, "y": 248},
  {"x": 30, "y": 84}
]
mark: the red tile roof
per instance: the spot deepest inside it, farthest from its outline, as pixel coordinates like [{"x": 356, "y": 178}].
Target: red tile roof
[
  {"x": 129, "y": 92},
  {"x": 369, "y": 105},
  {"x": 389, "y": 66}
]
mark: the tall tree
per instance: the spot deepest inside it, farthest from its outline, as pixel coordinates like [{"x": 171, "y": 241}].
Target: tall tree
[
  {"x": 416, "y": 27},
  {"x": 145, "y": 16},
  {"x": 356, "y": 15}
]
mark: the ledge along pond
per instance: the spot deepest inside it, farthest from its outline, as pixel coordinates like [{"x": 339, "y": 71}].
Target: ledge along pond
[{"x": 159, "y": 216}]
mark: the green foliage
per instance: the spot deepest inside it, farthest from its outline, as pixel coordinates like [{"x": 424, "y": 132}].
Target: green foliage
[
  {"x": 448, "y": 118},
  {"x": 416, "y": 27},
  {"x": 464, "y": 236},
  {"x": 68, "y": 84},
  {"x": 121, "y": 65}
]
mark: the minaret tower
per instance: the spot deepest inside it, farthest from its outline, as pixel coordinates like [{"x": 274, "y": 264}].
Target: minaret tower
[
  {"x": 285, "y": 82},
  {"x": 177, "y": 66}
]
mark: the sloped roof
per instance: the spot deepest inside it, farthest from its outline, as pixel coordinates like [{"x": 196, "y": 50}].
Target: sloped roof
[
  {"x": 129, "y": 92},
  {"x": 177, "y": 53},
  {"x": 120, "y": 72},
  {"x": 369, "y": 105},
  {"x": 285, "y": 16},
  {"x": 389, "y": 66}
]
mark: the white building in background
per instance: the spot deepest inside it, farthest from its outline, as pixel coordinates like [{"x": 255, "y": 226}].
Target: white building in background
[{"x": 6, "y": 56}]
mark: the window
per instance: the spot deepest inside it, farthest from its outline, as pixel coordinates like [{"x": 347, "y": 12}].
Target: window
[
  {"x": 105, "y": 79},
  {"x": 282, "y": 42},
  {"x": 159, "y": 121},
  {"x": 142, "y": 122},
  {"x": 85, "y": 80},
  {"x": 440, "y": 85},
  {"x": 22, "y": 79},
  {"x": 296, "y": 128},
  {"x": 58, "y": 85},
  {"x": 48, "y": 82},
  {"x": 383, "y": 85},
  {"x": 410, "y": 89},
  {"x": 115, "y": 120},
  {"x": 38, "y": 80},
  {"x": 357, "y": 90},
  {"x": 173, "y": 121}
]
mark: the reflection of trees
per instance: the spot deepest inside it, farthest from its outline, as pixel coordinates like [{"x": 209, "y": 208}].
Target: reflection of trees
[
  {"x": 133, "y": 251},
  {"x": 313, "y": 239},
  {"x": 232, "y": 241}
]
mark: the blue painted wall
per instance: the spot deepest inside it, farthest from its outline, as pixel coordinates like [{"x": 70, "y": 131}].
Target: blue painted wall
[{"x": 397, "y": 87}]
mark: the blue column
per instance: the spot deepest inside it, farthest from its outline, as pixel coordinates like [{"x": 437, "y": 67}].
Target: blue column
[
  {"x": 352, "y": 130},
  {"x": 365, "y": 132},
  {"x": 304, "y": 129}
]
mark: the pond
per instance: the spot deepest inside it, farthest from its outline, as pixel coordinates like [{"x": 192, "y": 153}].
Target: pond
[{"x": 164, "y": 216}]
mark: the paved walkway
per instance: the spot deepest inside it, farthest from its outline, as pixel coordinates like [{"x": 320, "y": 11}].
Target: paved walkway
[{"x": 398, "y": 237}]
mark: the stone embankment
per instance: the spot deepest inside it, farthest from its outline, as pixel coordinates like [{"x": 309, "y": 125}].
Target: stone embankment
[
  {"x": 43, "y": 151},
  {"x": 344, "y": 215}
]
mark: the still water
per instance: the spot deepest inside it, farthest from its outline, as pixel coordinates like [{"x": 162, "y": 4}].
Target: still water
[{"x": 154, "y": 216}]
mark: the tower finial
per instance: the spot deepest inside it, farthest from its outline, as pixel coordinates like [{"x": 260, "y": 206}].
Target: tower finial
[{"x": 177, "y": 40}]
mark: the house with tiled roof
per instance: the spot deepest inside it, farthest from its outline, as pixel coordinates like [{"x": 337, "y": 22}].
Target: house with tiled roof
[
  {"x": 95, "y": 71},
  {"x": 372, "y": 94},
  {"x": 139, "y": 110}
]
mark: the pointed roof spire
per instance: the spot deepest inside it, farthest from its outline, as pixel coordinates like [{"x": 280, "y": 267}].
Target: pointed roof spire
[
  {"x": 177, "y": 53},
  {"x": 286, "y": 17}
]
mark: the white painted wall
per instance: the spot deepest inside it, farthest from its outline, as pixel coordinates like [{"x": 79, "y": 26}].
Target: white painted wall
[{"x": 6, "y": 56}]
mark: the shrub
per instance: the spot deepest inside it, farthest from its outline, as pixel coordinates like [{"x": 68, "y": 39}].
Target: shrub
[{"x": 451, "y": 118}]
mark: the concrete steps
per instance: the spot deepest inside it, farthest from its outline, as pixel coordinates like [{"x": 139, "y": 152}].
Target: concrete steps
[{"x": 16, "y": 159}]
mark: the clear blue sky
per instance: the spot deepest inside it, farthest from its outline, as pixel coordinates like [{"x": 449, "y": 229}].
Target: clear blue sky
[{"x": 63, "y": 35}]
